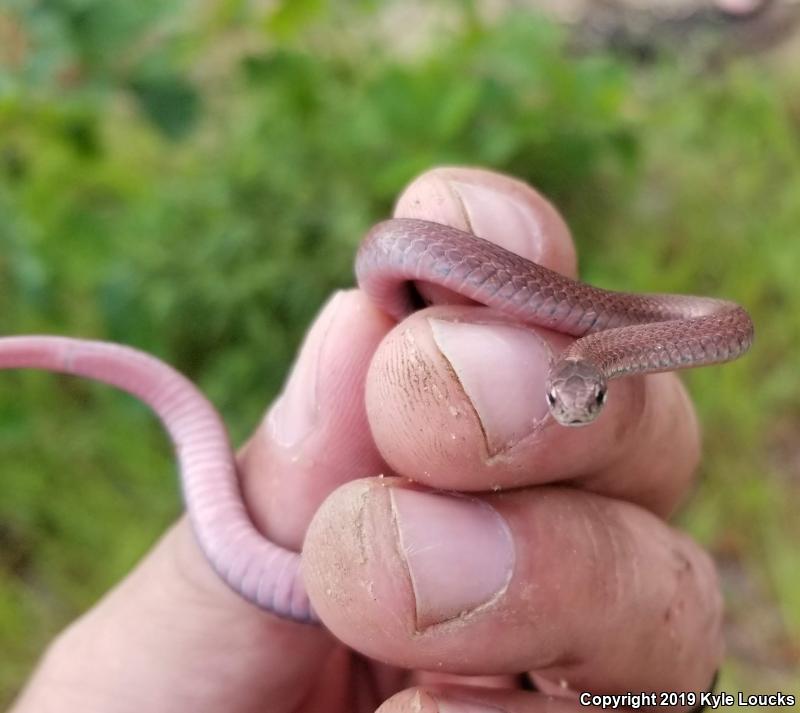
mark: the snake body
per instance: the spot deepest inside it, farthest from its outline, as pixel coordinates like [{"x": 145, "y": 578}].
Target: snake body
[{"x": 619, "y": 333}]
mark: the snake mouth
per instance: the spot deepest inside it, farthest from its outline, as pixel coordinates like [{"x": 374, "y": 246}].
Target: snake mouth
[{"x": 579, "y": 422}]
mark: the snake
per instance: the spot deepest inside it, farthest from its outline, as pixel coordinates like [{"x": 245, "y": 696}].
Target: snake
[{"x": 617, "y": 334}]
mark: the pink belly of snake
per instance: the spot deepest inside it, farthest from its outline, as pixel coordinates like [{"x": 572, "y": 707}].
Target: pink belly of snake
[{"x": 619, "y": 334}]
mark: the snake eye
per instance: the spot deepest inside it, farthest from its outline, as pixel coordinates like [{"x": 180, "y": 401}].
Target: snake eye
[
  {"x": 551, "y": 397},
  {"x": 601, "y": 397}
]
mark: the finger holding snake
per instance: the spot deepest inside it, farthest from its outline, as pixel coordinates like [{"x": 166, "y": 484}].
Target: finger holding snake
[{"x": 569, "y": 583}]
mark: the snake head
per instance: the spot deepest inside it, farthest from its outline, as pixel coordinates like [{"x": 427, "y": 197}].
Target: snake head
[{"x": 576, "y": 392}]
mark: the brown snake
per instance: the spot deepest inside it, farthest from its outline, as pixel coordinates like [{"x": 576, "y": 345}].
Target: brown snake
[{"x": 620, "y": 333}]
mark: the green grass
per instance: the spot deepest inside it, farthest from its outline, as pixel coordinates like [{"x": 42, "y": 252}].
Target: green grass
[{"x": 164, "y": 187}]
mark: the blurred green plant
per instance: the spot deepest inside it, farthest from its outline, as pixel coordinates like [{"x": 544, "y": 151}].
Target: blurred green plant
[{"x": 193, "y": 180}]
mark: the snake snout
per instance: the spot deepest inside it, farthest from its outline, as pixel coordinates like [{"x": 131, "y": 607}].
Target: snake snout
[{"x": 576, "y": 392}]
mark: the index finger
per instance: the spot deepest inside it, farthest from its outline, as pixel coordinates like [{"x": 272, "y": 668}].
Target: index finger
[{"x": 455, "y": 394}]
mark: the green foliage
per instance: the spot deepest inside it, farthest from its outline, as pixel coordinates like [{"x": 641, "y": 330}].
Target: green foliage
[{"x": 194, "y": 183}]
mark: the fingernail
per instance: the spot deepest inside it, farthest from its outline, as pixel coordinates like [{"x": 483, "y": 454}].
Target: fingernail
[
  {"x": 502, "y": 369},
  {"x": 510, "y": 222},
  {"x": 453, "y": 706},
  {"x": 296, "y": 412},
  {"x": 459, "y": 552}
]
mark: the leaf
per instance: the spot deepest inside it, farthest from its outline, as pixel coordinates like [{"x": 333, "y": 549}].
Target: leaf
[{"x": 170, "y": 102}]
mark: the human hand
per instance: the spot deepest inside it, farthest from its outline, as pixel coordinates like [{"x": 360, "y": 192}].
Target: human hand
[{"x": 557, "y": 561}]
